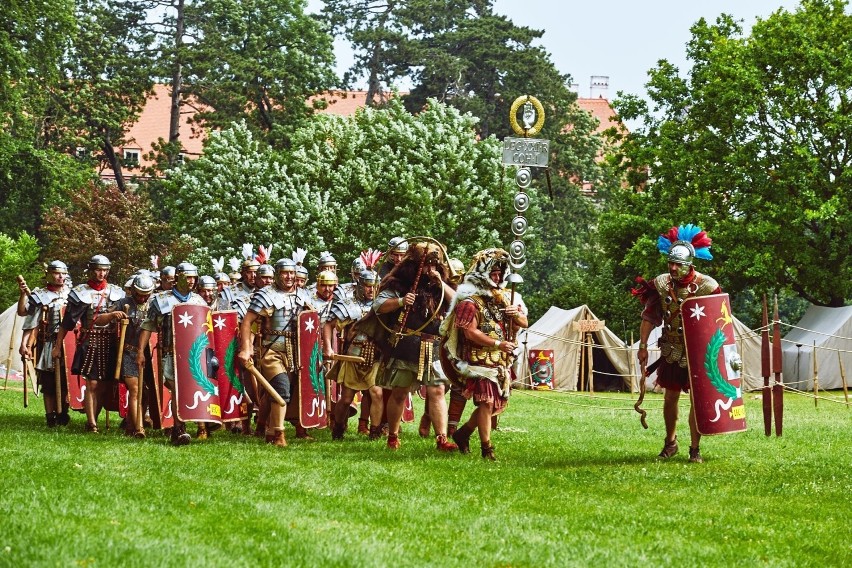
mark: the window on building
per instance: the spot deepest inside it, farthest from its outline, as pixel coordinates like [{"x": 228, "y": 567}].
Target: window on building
[{"x": 131, "y": 157}]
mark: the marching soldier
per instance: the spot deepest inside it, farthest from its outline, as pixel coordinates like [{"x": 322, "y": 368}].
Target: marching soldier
[
  {"x": 478, "y": 345},
  {"x": 354, "y": 377},
  {"x": 323, "y": 295},
  {"x": 413, "y": 298},
  {"x": 135, "y": 305},
  {"x": 662, "y": 299},
  {"x": 43, "y": 313},
  {"x": 92, "y": 304},
  {"x": 301, "y": 276},
  {"x": 159, "y": 319},
  {"x": 167, "y": 278},
  {"x": 209, "y": 291},
  {"x": 277, "y": 307}
]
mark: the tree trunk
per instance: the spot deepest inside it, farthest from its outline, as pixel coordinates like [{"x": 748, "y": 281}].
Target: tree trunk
[{"x": 177, "y": 80}]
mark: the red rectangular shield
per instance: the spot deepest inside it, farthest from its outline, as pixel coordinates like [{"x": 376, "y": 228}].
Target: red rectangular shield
[
  {"x": 226, "y": 346},
  {"x": 196, "y": 390},
  {"x": 714, "y": 364},
  {"x": 541, "y": 368},
  {"x": 407, "y": 410},
  {"x": 312, "y": 402},
  {"x": 76, "y": 384}
]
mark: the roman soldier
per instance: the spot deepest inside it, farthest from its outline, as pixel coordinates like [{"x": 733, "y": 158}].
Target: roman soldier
[
  {"x": 135, "y": 305},
  {"x": 411, "y": 303},
  {"x": 275, "y": 309},
  {"x": 662, "y": 299},
  {"x": 92, "y": 305},
  {"x": 209, "y": 291},
  {"x": 159, "y": 319},
  {"x": 477, "y": 349},
  {"x": 43, "y": 309},
  {"x": 353, "y": 377},
  {"x": 167, "y": 278},
  {"x": 323, "y": 295}
]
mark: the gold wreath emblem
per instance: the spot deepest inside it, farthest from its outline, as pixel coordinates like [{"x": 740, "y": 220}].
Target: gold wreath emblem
[{"x": 539, "y": 116}]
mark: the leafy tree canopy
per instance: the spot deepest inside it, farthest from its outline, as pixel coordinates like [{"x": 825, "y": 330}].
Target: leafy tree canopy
[{"x": 754, "y": 145}]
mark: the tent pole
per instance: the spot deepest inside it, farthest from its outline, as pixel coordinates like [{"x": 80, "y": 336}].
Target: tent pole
[
  {"x": 843, "y": 378},
  {"x": 591, "y": 364},
  {"x": 816, "y": 377},
  {"x": 629, "y": 352},
  {"x": 582, "y": 361}
]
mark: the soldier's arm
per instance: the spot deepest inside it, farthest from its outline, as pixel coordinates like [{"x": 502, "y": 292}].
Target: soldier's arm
[
  {"x": 25, "y": 350},
  {"x": 245, "y": 336},
  {"x": 144, "y": 338},
  {"x": 645, "y": 329},
  {"x": 23, "y": 298},
  {"x": 327, "y": 338}
]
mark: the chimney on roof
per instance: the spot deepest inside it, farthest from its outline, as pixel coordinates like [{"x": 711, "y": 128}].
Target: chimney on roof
[
  {"x": 599, "y": 88},
  {"x": 574, "y": 87}
]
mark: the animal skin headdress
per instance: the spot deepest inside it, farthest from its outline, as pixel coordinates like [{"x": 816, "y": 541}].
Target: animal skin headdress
[
  {"x": 484, "y": 263},
  {"x": 682, "y": 244}
]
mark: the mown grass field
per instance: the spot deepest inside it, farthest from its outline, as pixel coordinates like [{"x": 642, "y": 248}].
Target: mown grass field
[{"x": 575, "y": 485}]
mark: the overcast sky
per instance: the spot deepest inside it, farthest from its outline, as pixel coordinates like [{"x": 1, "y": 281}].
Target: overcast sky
[{"x": 620, "y": 39}]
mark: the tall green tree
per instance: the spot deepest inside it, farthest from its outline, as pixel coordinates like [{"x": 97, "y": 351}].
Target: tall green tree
[
  {"x": 107, "y": 77},
  {"x": 258, "y": 60},
  {"x": 753, "y": 143},
  {"x": 33, "y": 38}
]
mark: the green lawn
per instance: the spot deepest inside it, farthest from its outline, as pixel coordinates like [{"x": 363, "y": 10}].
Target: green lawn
[{"x": 576, "y": 484}]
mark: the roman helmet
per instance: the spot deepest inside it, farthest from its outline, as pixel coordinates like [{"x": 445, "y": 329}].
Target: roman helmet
[
  {"x": 683, "y": 244},
  {"x": 327, "y": 277},
  {"x": 207, "y": 283},
  {"x": 99, "y": 261},
  {"x": 143, "y": 284},
  {"x": 398, "y": 244}
]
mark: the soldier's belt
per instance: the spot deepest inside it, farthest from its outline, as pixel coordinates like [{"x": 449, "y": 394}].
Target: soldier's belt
[
  {"x": 421, "y": 335},
  {"x": 280, "y": 333},
  {"x": 131, "y": 348}
]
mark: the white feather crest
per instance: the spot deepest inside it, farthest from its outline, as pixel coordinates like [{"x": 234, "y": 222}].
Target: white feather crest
[
  {"x": 248, "y": 249},
  {"x": 155, "y": 261},
  {"x": 218, "y": 263},
  {"x": 299, "y": 255},
  {"x": 234, "y": 263}
]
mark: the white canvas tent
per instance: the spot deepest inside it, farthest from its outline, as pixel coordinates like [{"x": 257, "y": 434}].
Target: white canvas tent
[
  {"x": 10, "y": 337},
  {"x": 554, "y": 330},
  {"x": 822, "y": 333},
  {"x": 748, "y": 346}
]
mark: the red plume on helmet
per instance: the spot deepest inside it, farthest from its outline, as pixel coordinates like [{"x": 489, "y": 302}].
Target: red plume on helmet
[{"x": 370, "y": 257}]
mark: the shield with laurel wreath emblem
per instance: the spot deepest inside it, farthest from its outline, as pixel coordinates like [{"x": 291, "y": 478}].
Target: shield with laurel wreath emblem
[
  {"x": 312, "y": 397},
  {"x": 196, "y": 388},
  {"x": 714, "y": 364},
  {"x": 225, "y": 346}
]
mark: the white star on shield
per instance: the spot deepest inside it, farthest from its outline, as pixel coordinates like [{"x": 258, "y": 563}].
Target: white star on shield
[
  {"x": 219, "y": 323},
  {"x": 309, "y": 325},
  {"x": 697, "y": 312},
  {"x": 185, "y": 319}
]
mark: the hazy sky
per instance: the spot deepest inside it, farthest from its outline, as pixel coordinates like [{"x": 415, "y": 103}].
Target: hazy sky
[{"x": 621, "y": 39}]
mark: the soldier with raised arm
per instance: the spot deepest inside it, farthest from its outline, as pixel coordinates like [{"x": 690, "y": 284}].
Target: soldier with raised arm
[
  {"x": 43, "y": 310},
  {"x": 91, "y": 304}
]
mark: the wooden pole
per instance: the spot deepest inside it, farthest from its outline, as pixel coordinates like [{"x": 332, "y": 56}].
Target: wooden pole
[
  {"x": 843, "y": 378},
  {"x": 582, "y": 361},
  {"x": 765, "y": 370},
  {"x": 249, "y": 366},
  {"x": 778, "y": 387},
  {"x": 591, "y": 359},
  {"x": 816, "y": 377},
  {"x": 630, "y": 368},
  {"x": 121, "y": 335},
  {"x": 57, "y": 379},
  {"x": 26, "y": 392}
]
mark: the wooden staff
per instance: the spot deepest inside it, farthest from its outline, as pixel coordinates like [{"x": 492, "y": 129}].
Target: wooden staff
[
  {"x": 349, "y": 358},
  {"x": 765, "y": 369},
  {"x": 33, "y": 377},
  {"x": 816, "y": 377},
  {"x": 778, "y": 387},
  {"x": 121, "y": 335},
  {"x": 404, "y": 315},
  {"x": 843, "y": 378},
  {"x": 26, "y": 393},
  {"x": 57, "y": 379},
  {"x": 249, "y": 366}
]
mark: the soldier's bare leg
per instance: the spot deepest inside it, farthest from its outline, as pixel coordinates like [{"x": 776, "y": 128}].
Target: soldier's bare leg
[
  {"x": 133, "y": 420},
  {"x": 670, "y": 413},
  {"x": 396, "y": 406},
  {"x": 90, "y": 405},
  {"x": 376, "y": 409}
]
